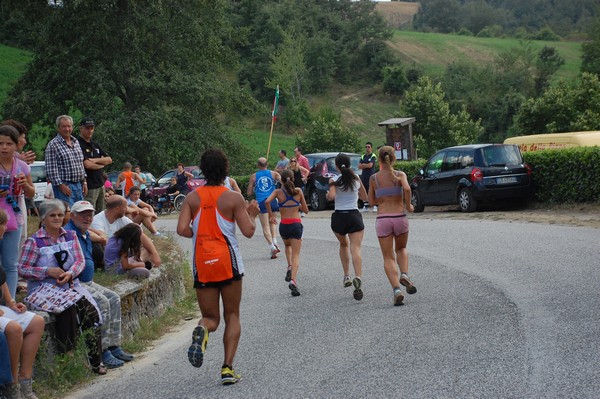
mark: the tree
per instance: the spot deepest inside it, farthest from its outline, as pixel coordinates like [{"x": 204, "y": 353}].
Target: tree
[
  {"x": 435, "y": 125},
  {"x": 150, "y": 74},
  {"x": 547, "y": 63},
  {"x": 590, "y": 60},
  {"x": 564, "y": 108},
  {"x": 288, "y": 67},
  {"x": 327, "y": 133}
]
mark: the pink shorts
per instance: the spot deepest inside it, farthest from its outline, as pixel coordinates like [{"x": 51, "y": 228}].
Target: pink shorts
[{"x": 388, "y": 224}]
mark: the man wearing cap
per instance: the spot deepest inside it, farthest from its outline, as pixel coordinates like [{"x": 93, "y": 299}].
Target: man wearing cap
[
  {"x": 109, "y": 302},
  {"x": 64, "y": 163},
  {"x": 94, "y": 161},
  {"x": 113, "y": 218}
]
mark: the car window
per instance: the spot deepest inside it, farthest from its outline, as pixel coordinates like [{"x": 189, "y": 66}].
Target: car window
[
  {"x": 354, "y": 160},
  {"x": 466, "y": 159},
  {"x": 501, "y": 155},
  {"x": 166, "y": 178},
  {"x": 331, "y": 166},
  {"x": 435, "y": 163},
  {"x": 38, "y": 174},
  {"x": 196, "y": 173},
  {"x": 451, "y": 161}
]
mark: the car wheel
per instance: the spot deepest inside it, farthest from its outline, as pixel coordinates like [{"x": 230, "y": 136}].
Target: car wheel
[
  {"x": 178, "y": 202},
  {"x": 417, "y": 202},
  {"x": 317, "y": 200},
  {"x": 466, "y": 202}
]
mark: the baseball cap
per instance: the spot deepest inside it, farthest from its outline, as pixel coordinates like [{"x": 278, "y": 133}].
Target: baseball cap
[
  {"x": 87, "y": 122},
  {"x": 81, "y": 206}
]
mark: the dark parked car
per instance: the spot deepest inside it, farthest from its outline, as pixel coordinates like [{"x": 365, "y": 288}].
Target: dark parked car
[
  {"x": 469, "y": 174},
  {"x": 159, "y": 188},
  {"x": 322, "y": 168}
]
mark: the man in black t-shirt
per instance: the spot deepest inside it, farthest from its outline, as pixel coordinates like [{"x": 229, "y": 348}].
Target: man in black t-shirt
[{"x": 94, "y": 161}]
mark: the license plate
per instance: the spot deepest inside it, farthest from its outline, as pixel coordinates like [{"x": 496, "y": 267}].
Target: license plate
[{"x": 506, "y": 180}]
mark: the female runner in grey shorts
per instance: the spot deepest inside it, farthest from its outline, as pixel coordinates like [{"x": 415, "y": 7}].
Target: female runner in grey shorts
[
  {"x": 346, "y": 221},
  {"x": 390, "y": 191},
  {"x": 291, "y": 203}
]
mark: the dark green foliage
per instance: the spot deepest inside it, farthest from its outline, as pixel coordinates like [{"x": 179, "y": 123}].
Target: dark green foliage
[
  {"x": 243, "y": 181},
  {"x": 297, "y": 114},
  {"x": 590, "y": 61},
  {"x": 411, "y": 168},
  {"x": 549, "y": 18},
  {"x": 395, "y": 81},
  {"x": 151, "y": 75},
  {"x": 327, "y": 133},
  {"x": 567, "y": 175},
  {"x": 564, "y": 108},
  {"x": 490, "y": 31},
  {"x": 343, "y": 40}
]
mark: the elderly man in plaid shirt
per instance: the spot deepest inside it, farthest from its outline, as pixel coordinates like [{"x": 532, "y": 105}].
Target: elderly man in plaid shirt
[{"x": 64, "y": 163}]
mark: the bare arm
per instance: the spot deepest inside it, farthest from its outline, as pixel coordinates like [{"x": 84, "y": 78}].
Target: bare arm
[
  {"x": 272, "y": 217},
  {"x": 245, "y": 214},
  {"x": 251, "y": 185},
  {"x": 303, "y": 171},
  {"x": 372, "y": 198},
  {"x": 234, "y": 185},
  {"x": 303, "y": 206},
  {"x": 331, "y": 192},
  {"x": 98, "y": 236},
  {"x": 407, "y": 192},
  {"x": 127, "y": 265},
  {"x": 362, "y": 193},
  {"x": 184, "y": 223},
  {"x": 149, "y": 246}
]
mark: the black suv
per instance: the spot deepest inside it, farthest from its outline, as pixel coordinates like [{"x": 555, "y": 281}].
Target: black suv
[
  {"x": 468, "y": 174},
  {"x": 322, "y": 168}
]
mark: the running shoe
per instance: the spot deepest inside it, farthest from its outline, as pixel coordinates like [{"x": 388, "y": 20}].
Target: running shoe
[
  {"x": 347, "y": 281},
  {"x": 229, "y": 376},
  {"x": 358, "y": 294},
  {"x": 398, "y": 297},
  {"x": 294, "y": 288},
  {"x": 199, "y": 342},
  {"x": 405, "y": 281},
  {"x": 288, "y": 274}
]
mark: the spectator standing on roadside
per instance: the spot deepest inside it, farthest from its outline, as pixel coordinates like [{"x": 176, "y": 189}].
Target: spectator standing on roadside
[
  {"x": 283, "y": 162},
  {"x": 183, "y": 177},
  {"x": 109, "y": 302},
  {"x": 64, "y": 163},
  {"x": 143, "y": 186},
  {"x": 262, "y": 184},
  {"x": 94, "y": 161},
  {"x": 302, "y": 160},
  {"x": 127, "y": 179},
  {"x": 367, "y": 164}
]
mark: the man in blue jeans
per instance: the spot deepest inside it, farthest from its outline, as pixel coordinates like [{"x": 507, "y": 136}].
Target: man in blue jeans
[{"x": 64, "y": 163}]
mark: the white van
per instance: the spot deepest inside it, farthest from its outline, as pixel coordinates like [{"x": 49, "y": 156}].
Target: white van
[{"x": 38, "y": 177}]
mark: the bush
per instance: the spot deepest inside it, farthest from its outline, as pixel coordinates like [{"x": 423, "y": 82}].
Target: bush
[
  {"x": 327, "y": 133},
  {"x": 567, "y": 175},
  {"x": 395, "y": 81},
  {"x": 464, "y": 32},
  {"x": 411, "y": 168},
  {"x": 490, "y": 31},
  {"x": 546, "y": 33}
]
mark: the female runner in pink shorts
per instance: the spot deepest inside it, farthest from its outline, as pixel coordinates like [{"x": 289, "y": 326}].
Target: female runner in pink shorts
[{"x": 390, "y": 191}]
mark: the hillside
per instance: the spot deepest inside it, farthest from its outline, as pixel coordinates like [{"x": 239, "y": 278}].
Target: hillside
[
  {"x": 12, "y": 65},
  {"x": 397, "y": 13},
  {"x": 434, "y": 51}
]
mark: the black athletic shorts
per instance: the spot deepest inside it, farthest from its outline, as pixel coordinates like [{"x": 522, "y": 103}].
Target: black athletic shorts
[
  {"x": 291, "y": 231},
  {"x": 346, "y": 222}
]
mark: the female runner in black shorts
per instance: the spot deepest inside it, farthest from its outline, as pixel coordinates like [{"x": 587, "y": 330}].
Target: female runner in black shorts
[{"x": 291, "y": 203}]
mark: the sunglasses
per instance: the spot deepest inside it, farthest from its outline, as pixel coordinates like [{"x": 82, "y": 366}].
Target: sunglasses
[
  {"x": 293, "y": 161},
  {"x": 10, "y": 201}
]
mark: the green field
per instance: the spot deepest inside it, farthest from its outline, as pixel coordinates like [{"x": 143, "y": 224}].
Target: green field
[
  {"x": 434, "y": 51},
  {"x": 12, "y": 65}
]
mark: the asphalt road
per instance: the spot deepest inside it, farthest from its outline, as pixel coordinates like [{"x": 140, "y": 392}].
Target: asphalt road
[{"x": 503, "y": 310}]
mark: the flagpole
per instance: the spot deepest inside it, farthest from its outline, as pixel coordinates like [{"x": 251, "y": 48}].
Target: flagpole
[{"x": 273, "y": 116}]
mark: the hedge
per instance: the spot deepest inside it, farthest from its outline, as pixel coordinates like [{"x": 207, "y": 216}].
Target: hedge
[{"x": 566, "y": 175}]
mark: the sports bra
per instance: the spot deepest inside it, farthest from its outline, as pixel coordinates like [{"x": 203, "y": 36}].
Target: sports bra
[
  {"x": 387, "y": 191},
  {"x": 289, "y": 198}
]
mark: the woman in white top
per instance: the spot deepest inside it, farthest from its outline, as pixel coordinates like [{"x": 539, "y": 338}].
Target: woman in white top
[{"x": 346, "y": 221}]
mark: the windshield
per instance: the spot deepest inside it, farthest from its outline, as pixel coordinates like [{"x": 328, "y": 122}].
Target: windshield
[{"x": 502, "y": 155}]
